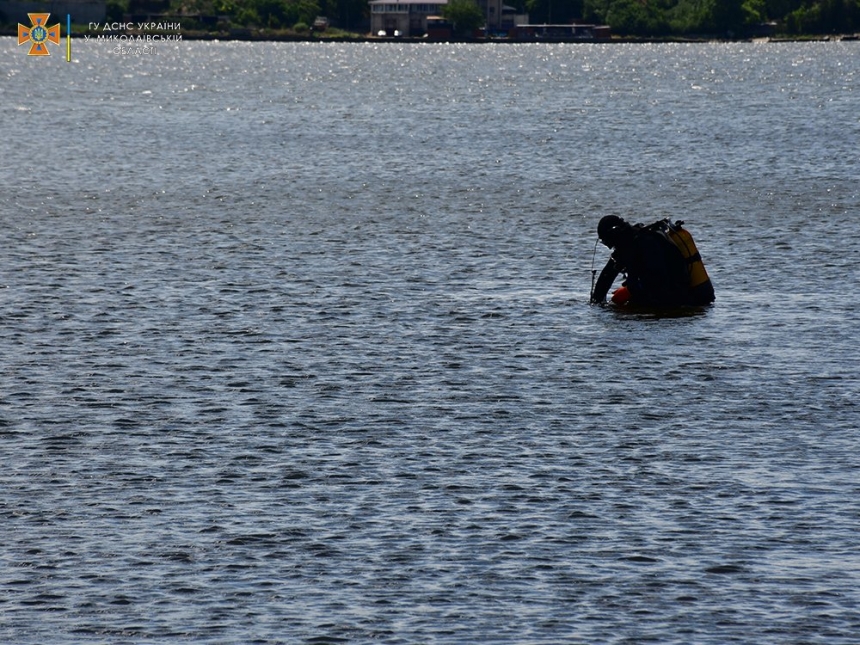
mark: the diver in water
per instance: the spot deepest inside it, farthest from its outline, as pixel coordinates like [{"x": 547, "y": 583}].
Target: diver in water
[{"x": 662, "y": 266}]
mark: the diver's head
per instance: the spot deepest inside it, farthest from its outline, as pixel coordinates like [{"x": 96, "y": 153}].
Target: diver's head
[{"x": 610, "y": 228}]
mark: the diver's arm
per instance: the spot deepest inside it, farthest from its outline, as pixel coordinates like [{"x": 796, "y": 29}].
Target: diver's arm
[{"x": 607, "y": 277}]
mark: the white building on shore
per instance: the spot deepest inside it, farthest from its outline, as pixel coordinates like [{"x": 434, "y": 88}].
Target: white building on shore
[{"x": 409, "y": 17}]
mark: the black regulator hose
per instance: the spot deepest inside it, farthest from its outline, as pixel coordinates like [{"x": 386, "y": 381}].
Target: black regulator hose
[{"x": 593, "y": 271}]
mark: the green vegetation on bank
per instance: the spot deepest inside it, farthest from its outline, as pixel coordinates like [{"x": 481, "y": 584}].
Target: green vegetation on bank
[
  {"x": 739, "y": 18},
  {"x": 662, "y": 19},
  {"x": 347, "y": 17},
  {"x": 647, "y": 18},
  {"x": 465, "y": 15}
]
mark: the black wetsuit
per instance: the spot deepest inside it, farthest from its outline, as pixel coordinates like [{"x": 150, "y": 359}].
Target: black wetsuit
[{"x": 656, "y": 271}]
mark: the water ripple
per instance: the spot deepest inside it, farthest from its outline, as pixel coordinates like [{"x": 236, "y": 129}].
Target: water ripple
[{"x": 319, "y": 368}]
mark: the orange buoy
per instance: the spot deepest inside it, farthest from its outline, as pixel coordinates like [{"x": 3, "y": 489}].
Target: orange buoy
[{"x": 621, "y": 295}]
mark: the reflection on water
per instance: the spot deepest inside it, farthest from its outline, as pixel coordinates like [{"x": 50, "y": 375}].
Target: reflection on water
[
  {"x": 299, "y": 349},
  {"x": 654, "y": 313}
]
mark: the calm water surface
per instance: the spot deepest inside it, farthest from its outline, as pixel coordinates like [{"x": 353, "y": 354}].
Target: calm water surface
[{"x": 296, "y": 345}]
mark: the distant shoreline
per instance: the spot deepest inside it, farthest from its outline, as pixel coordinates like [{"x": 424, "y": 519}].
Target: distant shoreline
[{"x": 248, "y": 35}]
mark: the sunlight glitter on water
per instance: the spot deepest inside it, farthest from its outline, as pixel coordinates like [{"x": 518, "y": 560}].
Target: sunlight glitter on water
[{"x": 321, "y": 366}]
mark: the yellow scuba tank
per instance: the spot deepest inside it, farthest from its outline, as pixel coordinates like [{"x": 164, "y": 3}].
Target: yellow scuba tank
[
  {"x": 681, "y": 238},
  {"x": 701, "y": 289}
]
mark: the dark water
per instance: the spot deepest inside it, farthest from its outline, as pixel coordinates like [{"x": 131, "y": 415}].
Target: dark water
[{"x": 296, "y": 346}]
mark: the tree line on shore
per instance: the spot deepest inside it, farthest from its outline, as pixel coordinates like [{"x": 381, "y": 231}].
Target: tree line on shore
[
  {"x": 738, "y": 18},
  {"x": 645, "y": 18}
]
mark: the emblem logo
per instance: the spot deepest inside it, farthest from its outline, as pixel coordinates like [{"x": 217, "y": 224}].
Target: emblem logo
[{"x": 38, "y": 34}]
